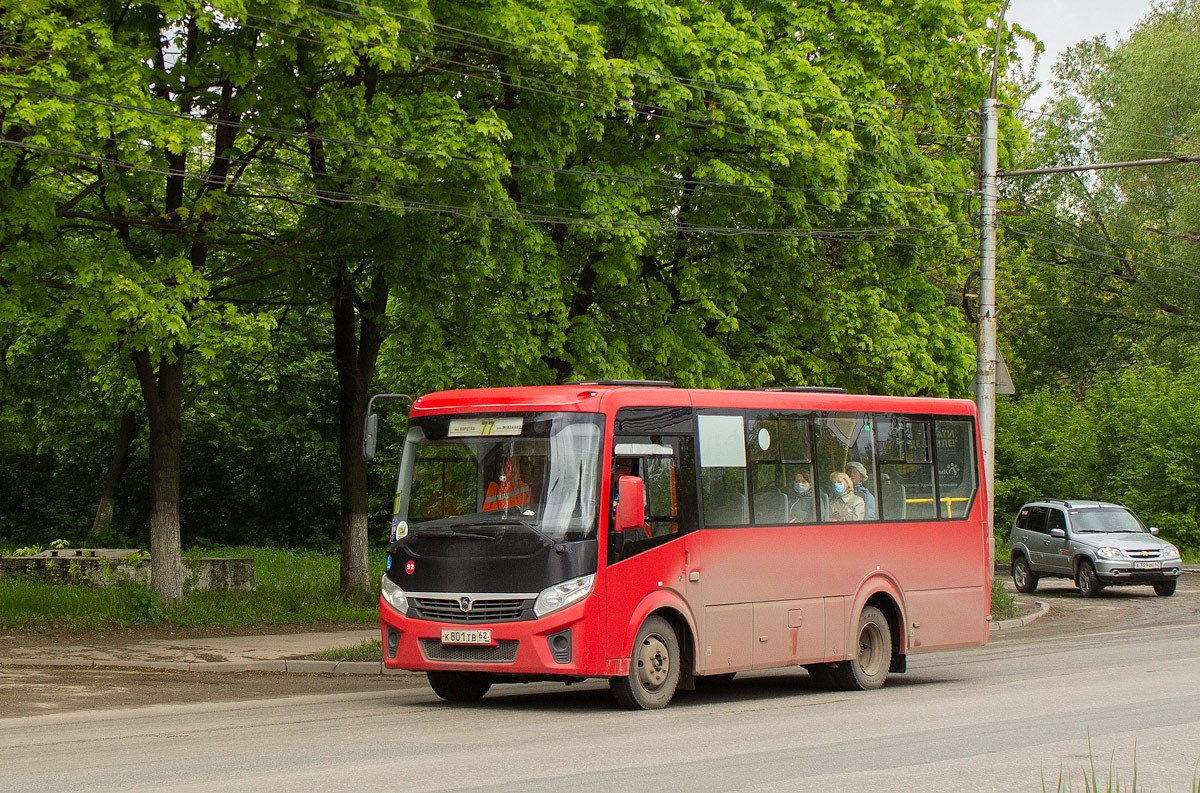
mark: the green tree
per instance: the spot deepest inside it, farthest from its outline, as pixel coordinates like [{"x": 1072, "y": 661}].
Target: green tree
[{"x": 1101, "y": 263}]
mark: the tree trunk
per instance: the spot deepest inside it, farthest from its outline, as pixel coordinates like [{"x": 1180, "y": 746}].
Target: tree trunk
[
  {"x": 126, "y": 432},
  {"x": 163, "y": 395},
  {"x": 356, "y": 351}
]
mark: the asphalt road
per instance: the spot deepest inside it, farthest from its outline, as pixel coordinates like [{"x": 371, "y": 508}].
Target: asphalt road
[{"x": 1120, "y": 673}]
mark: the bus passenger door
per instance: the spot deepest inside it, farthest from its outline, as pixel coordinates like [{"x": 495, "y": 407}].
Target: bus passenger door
[{"x": 665, "y": 553}]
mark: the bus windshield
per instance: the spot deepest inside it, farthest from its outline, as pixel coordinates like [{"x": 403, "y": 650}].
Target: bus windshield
[{"x": 484, "y": 476}]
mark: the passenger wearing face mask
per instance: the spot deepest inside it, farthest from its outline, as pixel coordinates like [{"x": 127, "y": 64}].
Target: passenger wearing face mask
[
  {"x": 801, "y": 497},
  {"x": 845, "y": 504}
]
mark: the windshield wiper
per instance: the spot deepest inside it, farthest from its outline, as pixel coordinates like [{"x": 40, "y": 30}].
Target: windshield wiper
[
  {"x": 546, "y": 539},
  {"x": 453, "y": 533}
]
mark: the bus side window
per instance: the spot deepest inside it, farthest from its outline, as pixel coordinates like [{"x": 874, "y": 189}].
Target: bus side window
[
  {"x": 780, "y": 471},
  {"x": 905, "y": 468},
  {"x": 956, "y": 480},
  {"x": 723, "y": 470},
  {"x": 845, "y": 444}
]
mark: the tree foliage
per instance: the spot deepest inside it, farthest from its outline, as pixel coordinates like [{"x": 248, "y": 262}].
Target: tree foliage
[{"x": 246, "y": 215}]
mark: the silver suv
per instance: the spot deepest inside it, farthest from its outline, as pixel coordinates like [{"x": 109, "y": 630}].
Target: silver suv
[{"x": 1093, "y": 542}]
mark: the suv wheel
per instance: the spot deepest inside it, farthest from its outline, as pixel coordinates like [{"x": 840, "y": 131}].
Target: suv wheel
[
  {"x": 1085, "y": 578},
  {"x": 1164, "y": 588},
  {"x": 1023, "y": 576}
]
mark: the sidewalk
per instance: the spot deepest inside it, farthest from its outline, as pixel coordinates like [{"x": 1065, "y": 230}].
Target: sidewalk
[{"x": 271, "y": 653}]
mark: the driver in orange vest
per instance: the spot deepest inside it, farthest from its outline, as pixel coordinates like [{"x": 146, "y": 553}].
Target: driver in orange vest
[{"x": 510, "y": 491}]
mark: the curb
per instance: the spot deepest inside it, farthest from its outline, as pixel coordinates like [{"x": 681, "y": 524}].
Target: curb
[
  {"x": 277, "y": 666},
  {"x": 1020, "y": 622}
]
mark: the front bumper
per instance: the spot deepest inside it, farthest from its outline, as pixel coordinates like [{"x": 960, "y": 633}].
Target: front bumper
[
  {"x": 1122, "y": 571},
  {"x": 559, "y": 645}
]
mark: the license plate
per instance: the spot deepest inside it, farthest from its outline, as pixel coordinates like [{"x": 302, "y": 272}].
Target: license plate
[
  {"x": 457, "y": 636},
  {"x": 1147, "y": 565}
]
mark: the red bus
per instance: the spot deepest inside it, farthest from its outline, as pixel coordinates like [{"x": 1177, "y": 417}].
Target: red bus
[{"x": 662, "y": 537}]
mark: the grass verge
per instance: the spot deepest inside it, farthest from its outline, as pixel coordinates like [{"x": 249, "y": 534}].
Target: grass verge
[
  {"x": 291, "y": 587},
  {"x": 366, "y": 650},
  {"x": 1003, "y": 605}
]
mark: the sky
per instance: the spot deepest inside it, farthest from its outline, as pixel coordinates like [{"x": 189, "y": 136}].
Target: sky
[{"x": 1062, "y": 23}]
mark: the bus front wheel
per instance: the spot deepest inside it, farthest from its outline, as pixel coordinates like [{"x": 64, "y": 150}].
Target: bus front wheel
[
  {"x": 873, "y": 654},
  {"x": 459, "y": 686},
  {"x": 653, "y": 668}
]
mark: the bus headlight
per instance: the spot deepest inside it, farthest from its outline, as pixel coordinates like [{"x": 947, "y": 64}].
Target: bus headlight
[
  {"x": 394, "y": 595},
  {"x": 562, "y": 595}
]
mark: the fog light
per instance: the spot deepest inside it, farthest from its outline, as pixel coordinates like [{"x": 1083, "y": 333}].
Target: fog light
[
  {"x": 560, "y": 646},
  {"x": 393, "y": 641}
]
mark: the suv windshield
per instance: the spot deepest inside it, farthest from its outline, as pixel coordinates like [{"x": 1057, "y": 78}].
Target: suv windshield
[
  {"x": 1105, "y": 521},
  {"x": 486, "y": 476}
]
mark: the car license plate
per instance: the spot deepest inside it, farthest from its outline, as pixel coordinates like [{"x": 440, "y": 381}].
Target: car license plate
[
  {"x": 1147, "y": 565},
  {"x": 458, "y": 636}
]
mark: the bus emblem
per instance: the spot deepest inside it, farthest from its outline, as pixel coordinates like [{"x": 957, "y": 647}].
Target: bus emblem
[{"x": 464, "y": 603}]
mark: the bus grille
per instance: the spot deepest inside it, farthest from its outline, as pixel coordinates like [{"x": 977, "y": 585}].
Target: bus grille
[
  {"x": 449, "y": 610},
  {"x": 505, "y": 652}
]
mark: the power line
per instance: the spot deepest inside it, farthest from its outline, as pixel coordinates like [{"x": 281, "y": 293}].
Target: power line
[
  {"x": 678, "y": 183},
  {"x": 1096, "y": 124},
  {"x": 483, "y": 213},
  {"x": 1057, "y": 222},
  {"x": 146, "y": 146},
  {"x": 1131, "y": 279},
  {"x": 1101, "y": 254},
  {"x": 1067, "y": 226}
]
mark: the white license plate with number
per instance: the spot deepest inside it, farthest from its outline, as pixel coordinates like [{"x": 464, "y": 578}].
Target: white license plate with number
[
  {"x": 458, "y": 636},
  {"x": 1147, "y": 565}
]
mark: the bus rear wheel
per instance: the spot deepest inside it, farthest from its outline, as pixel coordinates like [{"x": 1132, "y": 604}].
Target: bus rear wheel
[
  {"x": 459, "y": 686},
  {"x": 873, "y": 654},
  {"x": 653, "y": 668}
]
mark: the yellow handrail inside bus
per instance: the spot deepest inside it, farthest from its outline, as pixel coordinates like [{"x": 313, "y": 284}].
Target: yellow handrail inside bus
[{"x": 947, "y": 501}]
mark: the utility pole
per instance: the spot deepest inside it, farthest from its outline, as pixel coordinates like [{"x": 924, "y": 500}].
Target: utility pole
[{"x": 985, "y": 362}]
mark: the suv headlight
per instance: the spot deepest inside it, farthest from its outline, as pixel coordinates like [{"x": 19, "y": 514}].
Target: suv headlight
[
  {"x": 394, "y": 595},
  {"x": 559, "y": 596},
  {"x": 1109, "y": 552},
  {"x": 1170, "y": 552}
]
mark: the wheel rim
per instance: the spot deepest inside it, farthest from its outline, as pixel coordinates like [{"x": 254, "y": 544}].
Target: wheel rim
[
  {"x": 1020, "y": 574},
  {"x": 870, "y": 649},
  {"x": 1085, "y": 578},
  {"x": 653, "y": 663}
]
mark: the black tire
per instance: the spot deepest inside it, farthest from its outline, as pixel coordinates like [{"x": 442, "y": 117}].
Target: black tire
[
  {"x": 1085, "y": 578},
  {"x": 822, "y": 676},
  {"x": 1165, "y": 588},
  {"x": 653, "y": 668},
  {"x": 1023, "y": 576},
  {"x": 459, "y": 686},
  {"x": 868, "y": 668}
]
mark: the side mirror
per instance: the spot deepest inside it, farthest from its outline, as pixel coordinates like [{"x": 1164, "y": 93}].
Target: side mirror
[
  {"x": 370, "y": 435},
  {"x": 1058, "y": 534},
  {"x": 1154, "y": 530},
  {"x": 371, "y": 424},
  {"x": 631, "y": 508}
]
